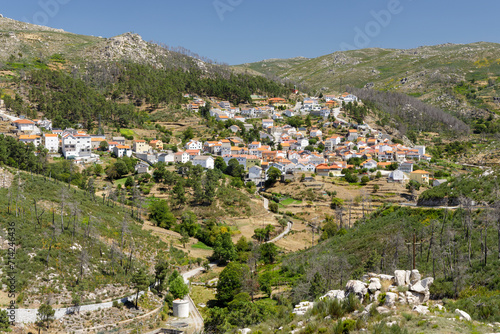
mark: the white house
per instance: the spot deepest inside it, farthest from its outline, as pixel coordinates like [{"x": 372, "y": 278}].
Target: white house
[
  {"x": 204, "y": 161},
  {"x": 289, "y": 113},
  {"x": 76, "y": 146},
  {"x": 24, "y": 125},
  {"x": 316, "y": 133},
  {"x": 166, "y": 157},
  {"x": 234, "y": 128},
  {"x": 353, "y": 135},
  {"x": 194, "y": 145},
  {"x": 122, "y": 150},
  {"x": 348, "y": 98},
  {"x": 51, "y": 142},
  {"x": 369, "y": 164},
  {"x": 267, "y": 123},
  {"x": 225, "y": 104},
  {"x": 406, "y": 167},
  {"x": 331, "y": 142},
  {"x": 141, "y": 168},
  {"x": 30, "y": 139},
  {"x": 181, "y": 157},
  {"x": 397, "y": 176},
  {"x": 255, "y": 172}
]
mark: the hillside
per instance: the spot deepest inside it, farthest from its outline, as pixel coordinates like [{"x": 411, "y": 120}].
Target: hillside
[{"x": 431, "y": 73}]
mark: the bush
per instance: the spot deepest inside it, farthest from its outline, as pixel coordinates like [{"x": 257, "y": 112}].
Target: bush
[{"x": 273, "y": 207}]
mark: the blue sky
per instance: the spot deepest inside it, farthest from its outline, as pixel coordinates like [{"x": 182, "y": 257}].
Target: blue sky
[{"x": 239, "y": 31}]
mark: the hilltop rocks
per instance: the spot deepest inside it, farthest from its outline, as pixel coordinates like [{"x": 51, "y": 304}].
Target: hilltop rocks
[
  {"x": 420, "y": 309},
  {"x": 358, "y": 288},
  {"x": 414, "y": 276},
  {"x": 334, "y": 294},
  {"x": 302, "y": 307},
  {"x": 463, "y": 315},
  {"x": 390, "y": 299},
  {"x": 374, "y": 285},
  {"x": 405, "y": 287},
  {"x": 400, "y": 276}
]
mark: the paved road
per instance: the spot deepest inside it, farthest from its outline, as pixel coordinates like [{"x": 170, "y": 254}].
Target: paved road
[
  {"x": 199, "y": 324},
  {"x": 282, "y": 234}
]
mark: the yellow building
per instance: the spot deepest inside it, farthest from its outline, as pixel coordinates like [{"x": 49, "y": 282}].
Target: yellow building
[
  {"x": 421, "y": 176},
  {"x": 140, "y": 146},
  {"x": 156, "y": 144}
]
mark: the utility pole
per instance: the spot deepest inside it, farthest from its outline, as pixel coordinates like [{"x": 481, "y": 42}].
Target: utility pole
[{"x": 414, "y": 243}]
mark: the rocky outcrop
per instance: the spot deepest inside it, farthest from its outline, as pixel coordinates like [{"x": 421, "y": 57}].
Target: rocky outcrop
[
  {"x": 374, "y": 285},
  {"x": 406, "y": 287},
  {"x": 302, "y": 307},
  {"x": 463, "y": 315},
  {"x": 334, "y": 294},
  {"x": 358, "y": 288}
]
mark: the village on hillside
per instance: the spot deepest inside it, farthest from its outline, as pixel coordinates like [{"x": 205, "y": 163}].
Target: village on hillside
[{"x": 291, "y": 150}]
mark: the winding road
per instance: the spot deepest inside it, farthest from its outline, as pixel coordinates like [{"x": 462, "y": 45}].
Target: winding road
[{"x": 282, "y": 234}]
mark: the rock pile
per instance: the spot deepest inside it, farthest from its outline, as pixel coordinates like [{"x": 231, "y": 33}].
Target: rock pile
[
  {"x": 302, "y": 307},
  {"x": 405, "y": 287}
]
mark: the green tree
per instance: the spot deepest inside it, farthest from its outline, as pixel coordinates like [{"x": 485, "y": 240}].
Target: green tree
[
  {"x": 273, "y": 175},
  {"x": 121, "y": 167},
  {"x": 178, "y": 288},
  {"x": 103, "y": 146},
  {"x": 376, "y": 187},
  {"x": 159, "y": 213},
  {"x": 336, "y": 203},
  {"x": 45, "y": 315},
  {"x": 98, "y": 170},
  {"x": 364, "y": 180},
  {"x": 230, "y": 282},
  {"x": 220, "y": 164},
  {"x": 184, "y": 239},
  {"x": 4, "y": 321},
  {"x": 224, "y": 250},
  {"x": 179, "y": 193},
  {"x": 235, "y": 169},
  {"x": 268, "y": 253},
  {"x": 318, "y": 285},
  {"x": 129, "y": 182},
  {"x": 140, "y": 282}
]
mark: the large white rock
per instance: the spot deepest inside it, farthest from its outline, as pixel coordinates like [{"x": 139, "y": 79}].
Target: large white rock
[
  {"x": 390, "y": 299},
  {"x": 402, "y": 299},
  {"x": 374, "y": 285},
  {"x": 357, "y": 287},
  {"x": 245, "y": 331},
  {"x": 414, "y": 276},
  {"x": 302, "y": 307},
  {"x": 400, "y": 277},
  {"x": 374, "y": 296},
  {"x": 463, "y": 315},
  {"x": 420, "y": 309},
  {"x": 334, "y": 294},
  {"x": 427, "y": 282},
  {"x": 383, "y": 310},
  {"x": 386, "y": 278},
  {"x": 417, "y": 287},
  {"x": 407, "y": 277},
  {"x": 415, "y": 298}
]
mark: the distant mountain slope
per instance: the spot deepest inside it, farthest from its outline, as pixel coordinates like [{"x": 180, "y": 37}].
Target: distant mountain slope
[
  {"x": 431, "y": 73},
  {"x": 272, "y": 66},
  {"x": 20, "y": 41}
]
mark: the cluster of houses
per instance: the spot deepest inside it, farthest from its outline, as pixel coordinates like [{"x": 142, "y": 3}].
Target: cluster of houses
[
  {"x": 290, "y": 152},
  {"x": 290, "y": 156}
]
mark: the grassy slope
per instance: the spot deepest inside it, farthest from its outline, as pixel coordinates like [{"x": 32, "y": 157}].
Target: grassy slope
[
  {"x": 106, "y": 222},
  {"x": 385, "y": 67}
]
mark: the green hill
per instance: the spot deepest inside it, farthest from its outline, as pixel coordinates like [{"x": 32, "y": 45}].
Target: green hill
[{"x": 462, "y": 79}]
